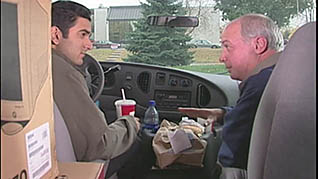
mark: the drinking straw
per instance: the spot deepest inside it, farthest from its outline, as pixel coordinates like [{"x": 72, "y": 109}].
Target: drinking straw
[{"x": 123, "y": 93}]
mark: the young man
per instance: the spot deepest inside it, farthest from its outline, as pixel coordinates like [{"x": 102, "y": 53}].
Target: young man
[
  {"x": 250, "y": 46},
  {"x": 91, "y": 137}
]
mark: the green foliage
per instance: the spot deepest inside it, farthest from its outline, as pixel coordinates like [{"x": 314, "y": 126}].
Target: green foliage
[
  {"x": 278, "y": 10},
  {"x": 159, "y": 45}
]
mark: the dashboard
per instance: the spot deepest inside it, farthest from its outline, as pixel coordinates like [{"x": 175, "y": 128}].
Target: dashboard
[{"x": 170, "y": 88}]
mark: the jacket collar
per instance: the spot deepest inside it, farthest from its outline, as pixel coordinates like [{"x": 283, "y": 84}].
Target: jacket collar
[
  {"x": 270, "y": 61},
  {"x": 67, "y": 60}
]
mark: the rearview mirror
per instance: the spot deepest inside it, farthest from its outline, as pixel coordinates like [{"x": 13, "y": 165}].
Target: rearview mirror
[{"x": 173, "y": 21}]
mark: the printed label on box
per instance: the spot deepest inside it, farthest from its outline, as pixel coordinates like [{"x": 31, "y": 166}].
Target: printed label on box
[{"x": 38, "y": 147}]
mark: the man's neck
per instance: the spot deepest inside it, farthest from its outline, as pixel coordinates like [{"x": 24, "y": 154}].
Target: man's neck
[
  {"x": 266, "y": 55},
  {"x": 261, "y": 62},
  {"x": 260, "y": 59}
]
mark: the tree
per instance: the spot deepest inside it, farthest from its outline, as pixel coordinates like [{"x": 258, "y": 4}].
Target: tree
[
  {"x": 159, "y": 45},
  {"x": 279, "y": 10},
  {"x": 200, "y": 9}
]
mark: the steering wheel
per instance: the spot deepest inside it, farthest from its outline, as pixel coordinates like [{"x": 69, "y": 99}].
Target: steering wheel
[{"x": 94, "y": 76}]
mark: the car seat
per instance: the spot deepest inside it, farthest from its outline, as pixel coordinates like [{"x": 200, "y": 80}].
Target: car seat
[
  {"x": 283, "y": 141},
  {"x": 64, "y": 147}
]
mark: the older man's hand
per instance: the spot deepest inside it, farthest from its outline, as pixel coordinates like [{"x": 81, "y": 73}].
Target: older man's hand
[{"x": 213, "y": 113}]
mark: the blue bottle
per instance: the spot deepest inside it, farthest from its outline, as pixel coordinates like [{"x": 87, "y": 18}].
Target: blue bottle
[{"x": 150, "y": 123}]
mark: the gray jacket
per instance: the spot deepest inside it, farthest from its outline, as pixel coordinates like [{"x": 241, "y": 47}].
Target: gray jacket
[{"x": 91, "y": 137}]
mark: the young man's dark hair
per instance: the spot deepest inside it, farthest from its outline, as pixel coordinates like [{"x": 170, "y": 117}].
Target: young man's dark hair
[{"x": 65, "y": 13}]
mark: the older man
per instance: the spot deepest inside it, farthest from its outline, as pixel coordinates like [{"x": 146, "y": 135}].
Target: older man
[{"x": 250, "y": 46}]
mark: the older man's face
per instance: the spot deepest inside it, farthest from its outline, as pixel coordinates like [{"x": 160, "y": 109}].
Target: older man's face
[{"x": 237, "y": 54}]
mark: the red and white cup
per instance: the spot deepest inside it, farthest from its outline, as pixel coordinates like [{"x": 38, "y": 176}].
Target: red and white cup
[{"x": 125, "y": 107}]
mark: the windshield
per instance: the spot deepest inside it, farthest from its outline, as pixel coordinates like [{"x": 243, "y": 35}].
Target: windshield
[{"x": 123, "y": 25}]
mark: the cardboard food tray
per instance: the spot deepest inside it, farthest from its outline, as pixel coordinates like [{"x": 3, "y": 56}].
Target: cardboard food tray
[{"x": 77, "y": 170}]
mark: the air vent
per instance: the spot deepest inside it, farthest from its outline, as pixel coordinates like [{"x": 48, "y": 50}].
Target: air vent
[
  {"x": 144, "y": 81},
  {"x": 204, "y": 96}
]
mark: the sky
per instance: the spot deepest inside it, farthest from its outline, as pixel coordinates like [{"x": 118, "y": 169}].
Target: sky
[{"x": 106, "y": 3}]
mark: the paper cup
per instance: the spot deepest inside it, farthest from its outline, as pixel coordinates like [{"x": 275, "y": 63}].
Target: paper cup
[{"x": 125, "y": 107}]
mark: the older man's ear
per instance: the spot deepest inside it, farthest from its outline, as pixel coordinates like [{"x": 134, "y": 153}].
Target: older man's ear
[{"x": 260, "y": 45}]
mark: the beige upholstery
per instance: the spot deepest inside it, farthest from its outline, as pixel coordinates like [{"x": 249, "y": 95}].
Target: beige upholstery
[
  {"x": 64, "y": 147},
  {"x": 283, "y": 143}
]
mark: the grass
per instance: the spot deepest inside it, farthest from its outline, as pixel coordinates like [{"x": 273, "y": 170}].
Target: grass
[
  {"x": 206, "y": 55},
  {"x": 205, "y": 59},
  {"x": 100, "y": 54},
  {"x": 103, "y": 54},
  {"x": 215, "y": 68}
]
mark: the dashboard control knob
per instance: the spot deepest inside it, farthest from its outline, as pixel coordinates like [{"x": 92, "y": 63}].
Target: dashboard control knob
[
  {"x": 185, "y": 83},
  {"x": 173, "y": 82}
]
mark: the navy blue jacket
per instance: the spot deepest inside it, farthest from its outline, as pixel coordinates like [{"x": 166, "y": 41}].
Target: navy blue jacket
[{"x": 238, "y": 120}]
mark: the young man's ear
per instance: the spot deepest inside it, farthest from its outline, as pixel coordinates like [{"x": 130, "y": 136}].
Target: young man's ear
[
  {"x": 260, "y": 44},
  {"x": 56, "y": 35}
]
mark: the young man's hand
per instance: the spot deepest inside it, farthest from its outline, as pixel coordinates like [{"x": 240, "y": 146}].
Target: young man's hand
[{"x": 137, "y": 120}]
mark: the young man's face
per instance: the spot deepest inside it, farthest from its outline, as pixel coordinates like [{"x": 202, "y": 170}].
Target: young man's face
[
  {"x": 237, "y": 54},
  {"x": 77, "y": 43}
]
